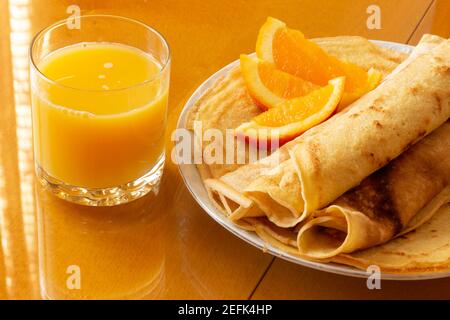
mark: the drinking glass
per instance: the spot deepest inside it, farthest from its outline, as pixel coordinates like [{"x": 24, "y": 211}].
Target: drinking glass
[{"x": 99, "y": 101}]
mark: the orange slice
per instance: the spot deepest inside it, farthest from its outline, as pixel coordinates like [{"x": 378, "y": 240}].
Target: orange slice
[
  {"x": 293, "y": 117},
  {"x": 270, "y": 86},
  {"x": 291, "y": 52},
  {"x": 266, "y": 34}
]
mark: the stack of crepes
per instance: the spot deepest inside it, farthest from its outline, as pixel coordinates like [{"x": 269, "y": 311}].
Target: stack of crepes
[{"x": 368, "y": 186}]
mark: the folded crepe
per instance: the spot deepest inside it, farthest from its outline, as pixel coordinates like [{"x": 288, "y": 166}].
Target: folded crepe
[
  {"x": 393, "y": 200},
  {"x": 335, "y": 156},
  {"x": 360, "y": 51},
  {"x": 224, "y": 106}
]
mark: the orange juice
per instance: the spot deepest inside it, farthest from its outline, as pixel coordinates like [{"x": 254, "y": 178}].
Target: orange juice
[{"x": 99, "y": 121}]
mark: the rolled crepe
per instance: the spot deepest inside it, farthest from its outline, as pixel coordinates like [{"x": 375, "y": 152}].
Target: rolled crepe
[
  {"x": 426, "y": 250},
  {"x": 426, "y": 44},
  {"x": 263, "y": 183},
  {"x": 399, "y": 197},
  {"x": 336, "y": 155}
]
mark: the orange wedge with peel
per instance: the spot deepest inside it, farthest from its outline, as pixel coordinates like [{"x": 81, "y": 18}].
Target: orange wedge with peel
[
  {"x": 291, "y": 52},
  {"x": 293, "y": 117},
  {"x": 266, "y": 34},
  {"x": 270, "y": 86}
]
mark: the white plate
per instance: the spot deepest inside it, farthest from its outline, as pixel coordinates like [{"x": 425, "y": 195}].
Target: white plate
[{"x": 195, "y": 185}]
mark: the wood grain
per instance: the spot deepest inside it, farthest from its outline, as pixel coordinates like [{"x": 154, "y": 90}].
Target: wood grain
[
  {"x": 164, "y": 246},
  {"x": 285, "y": 280},
  {"x": 435, "y": 21}
]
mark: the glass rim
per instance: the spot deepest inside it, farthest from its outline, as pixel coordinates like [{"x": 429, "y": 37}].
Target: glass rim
[{"x": 59, "y": 23}]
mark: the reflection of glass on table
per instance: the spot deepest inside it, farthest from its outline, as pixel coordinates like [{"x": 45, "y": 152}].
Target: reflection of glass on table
[{"x": 117, "y": 252}]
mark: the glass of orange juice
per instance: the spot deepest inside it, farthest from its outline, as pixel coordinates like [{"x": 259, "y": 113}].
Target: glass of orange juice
[{"x": 99, "y": 92}]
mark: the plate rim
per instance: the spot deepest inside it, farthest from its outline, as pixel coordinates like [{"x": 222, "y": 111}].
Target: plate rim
[{"x": 250, "y": 237}]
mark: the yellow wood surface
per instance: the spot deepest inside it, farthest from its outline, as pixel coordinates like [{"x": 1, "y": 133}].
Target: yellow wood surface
[
  {"x": 165, "y": 246},
  {"x": 435, "y": 21}
]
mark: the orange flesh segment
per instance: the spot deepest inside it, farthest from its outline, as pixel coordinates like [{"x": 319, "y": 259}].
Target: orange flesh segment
[
  {"x": 295, "y": 54},
  {"x": 281, "y": 83},
  {"x": 298, "y": 109}
]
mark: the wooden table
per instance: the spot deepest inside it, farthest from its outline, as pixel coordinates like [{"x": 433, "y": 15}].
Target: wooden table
[{"x": 166, "y": 246}]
